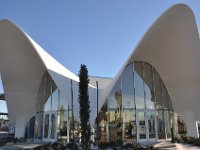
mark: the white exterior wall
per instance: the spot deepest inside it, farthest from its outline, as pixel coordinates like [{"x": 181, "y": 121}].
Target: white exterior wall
[
  {"x": 191, "y": 122},
  {"x": 171, "y": 45}
]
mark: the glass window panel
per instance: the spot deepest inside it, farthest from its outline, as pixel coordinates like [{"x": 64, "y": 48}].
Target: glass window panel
[
  {"x": 39, "y": 125},
  {"x": 55, "y": 100},
  {"x": 142, "y": 125},
  {"x": 171, "y": 117},
  {"x": 53, "y": 126},
  {"x": 170, "y": 104},
  {"x": 129, "y": 125},
  {"x": 63, "y": 102},
  {"x": 46, "y": 126},
  {"x": 151, "y": 124},
  {"x": 148, "y": 86},
  {"x": 167, "y": 123},
  {"x": 165, "y": 97},
  {"x": 161, "y": 124},
  {"x": 47, "y": 87},
  {"x": 47, "y": 106},
  {"x": 115, "y": 112},
  {"x": 128, "y": 104},
  {"x": 41, "y": 95},
  {"x": 62, "y": 123},
  {"x": 103, "y": 124},
  {"x": 115, "y": 98},
  {"x": 54, "y": 87},
  {"x": 139, "y": 87},
  {"x": 128, "y": 87},
  {"x": 44, "y": 99},
  {"x": 65, "y": 124},
  {"x": 158, "y": 96},
  {"x": 44, "y": 104}
]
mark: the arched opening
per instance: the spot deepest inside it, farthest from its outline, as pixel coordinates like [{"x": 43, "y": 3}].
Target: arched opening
[{"x": 138, "y": 109}]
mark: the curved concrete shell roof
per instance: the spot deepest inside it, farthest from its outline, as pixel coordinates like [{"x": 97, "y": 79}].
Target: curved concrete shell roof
[
  {"x": 22, "y": 65},
  {"x": 172, "y": 46}
]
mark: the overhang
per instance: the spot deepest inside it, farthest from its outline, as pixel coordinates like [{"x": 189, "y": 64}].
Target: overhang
[{"x": 172, "y": 46}]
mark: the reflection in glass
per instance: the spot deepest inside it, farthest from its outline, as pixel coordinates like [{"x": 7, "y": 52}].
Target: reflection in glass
[
  {"x": 103, "y": 124},
  {"x": 55, "y": 100},
  {"x": 128, "y": 105},
  {"x": 39, "y": 125},
  {"x": 47, "y": 105},
  {"x": 128, "y": 87},
  {"x": 129, "y": 125},
  {"x": 167, "y": 124},
  {"x": 47, "y": 101},
  {"x": 115, "y": 112},
  {"x": 165, "y": 97},
  {"x": 158, "y": 91},
  {"x": 65, "y": 124},
  {"x": 148, "y": 86},
  {"x": 46, "y": 126},
  {"x": 161, "y": 124},
  {"x": 139, "y": 87},
  {"x": 142, "y": 125},
  {"x": 62, "y": 123},
  {"x": 53, "y": 126},
  {"x": 151, "y": 124}
]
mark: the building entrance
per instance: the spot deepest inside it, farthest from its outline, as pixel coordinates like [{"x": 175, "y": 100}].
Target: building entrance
[
  {"x": 50, "y": 121},
  {"x": 146, "y": 125}
]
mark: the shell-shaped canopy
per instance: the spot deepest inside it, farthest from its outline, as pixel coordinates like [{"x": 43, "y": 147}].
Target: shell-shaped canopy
[
  {"x": 22, "y": 64},
  {"x": 172, "y": 47}
]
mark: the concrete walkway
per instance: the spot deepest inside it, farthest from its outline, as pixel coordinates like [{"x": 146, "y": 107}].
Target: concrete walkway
[
  {"x": 12, "y": 146},
  {"x": 164, "y": 145},
  {"x": 29, "y": 146},
  {"x": 167, "y": 145}
]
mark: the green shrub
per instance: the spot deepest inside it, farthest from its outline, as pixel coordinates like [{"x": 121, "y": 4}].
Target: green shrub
[
  {"x": 57, "y": 146},
  {"x": 107, "y": 145},
  {"x": 72, "y": 146},
  {"x": 190, "y": 140},
  {"x": 185, "y": 138},
  {"x": 177, "y": 139},
  {"x": 43, "y": 147},
  {"x": 115, "y": 145}
]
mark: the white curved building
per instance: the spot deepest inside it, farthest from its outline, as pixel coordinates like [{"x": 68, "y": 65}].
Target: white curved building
[
  {"x": 25, "y": 69},
  {"x": 159, "y": 78}
]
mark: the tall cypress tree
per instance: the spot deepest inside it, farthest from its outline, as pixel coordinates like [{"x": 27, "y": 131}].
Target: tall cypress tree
[{"x": 84, "y": 103}]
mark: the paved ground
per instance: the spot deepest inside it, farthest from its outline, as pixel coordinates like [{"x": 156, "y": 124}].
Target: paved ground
[
  {"x": 11, "y": 146},
  {"x": 167, "y": 145},
  {"x": 27, "y": 146}
]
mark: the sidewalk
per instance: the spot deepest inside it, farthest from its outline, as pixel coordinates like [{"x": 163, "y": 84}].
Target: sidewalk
[
  {"x": 12, "y": 146},
  {"x": 29, "y": 146},
  {"x": 167, "y": 145}
]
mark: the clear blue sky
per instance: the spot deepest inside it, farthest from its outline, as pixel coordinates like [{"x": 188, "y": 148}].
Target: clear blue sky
[{"x": 98, "y": 33}]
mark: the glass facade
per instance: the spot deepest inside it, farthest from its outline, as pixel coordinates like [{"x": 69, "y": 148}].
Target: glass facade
[
  {"x": 115, "y": 113},
  {"x": 138, "y": 107},
  {"x": 54, "y": 112},
  {"x": 129, "y": 124},
  {"x": 46, "y": 109}
]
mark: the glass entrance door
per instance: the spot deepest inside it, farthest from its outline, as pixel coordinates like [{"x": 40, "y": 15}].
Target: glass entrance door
[
  {"x": 49, "y": 128},
  {"x": 146, "y": 125}
]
